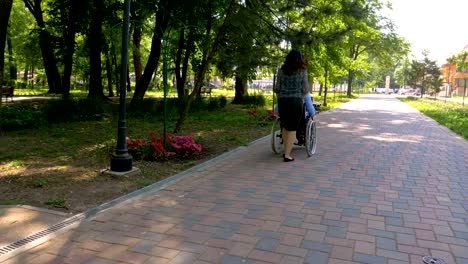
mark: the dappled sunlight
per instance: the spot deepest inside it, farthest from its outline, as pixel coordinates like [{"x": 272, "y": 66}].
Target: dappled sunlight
[
  {"x": 342, "y": 125},
  {"x": 348, "y": 127},
  {"x": 8, "y": 170},
  {"x": 25, "y": 171},
  {"x": 20, "y": 221},
  {"x": 394, "y": 138},
  {"x": 169, "y": 203},
  {"x": 39, "y": 168},
  {"x": 95, "y": 147},
  {"x": 399, "y": 121},
  {"x": 209, "y": 132}
]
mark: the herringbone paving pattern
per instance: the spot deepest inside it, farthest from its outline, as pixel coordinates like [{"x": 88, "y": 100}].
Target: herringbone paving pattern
[{"x": 387, "y": 185}]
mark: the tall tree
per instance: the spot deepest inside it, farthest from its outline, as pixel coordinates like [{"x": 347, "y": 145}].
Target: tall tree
[
  {"x": 212, "y": 46},
  {"x": 373, "y": 35},
  {"x": 65, "y": 18},
  {"x": 163, "y": 16},
  {"x": 95, "y": 42},
  {"x": 69, "y": 41},
  {"x": 416, "y": 74},
  {"x": 11, "y": 60},
  {"x": 433, "y": 79},
  {"x": 46, "y": 45},
  {"x": 5, "y": 9},
  {"x": 24, "y": 51},
  {"x": 186, "y": 34},
  {"x": 141, "y": 11},
  {"x": 425, "y": 74},
  {"x": 249, "y": 44},
  {"x": 402, "y": 73}
]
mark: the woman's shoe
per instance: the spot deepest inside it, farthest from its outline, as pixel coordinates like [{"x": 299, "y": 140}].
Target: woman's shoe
[{"x": 287, "y": 159}]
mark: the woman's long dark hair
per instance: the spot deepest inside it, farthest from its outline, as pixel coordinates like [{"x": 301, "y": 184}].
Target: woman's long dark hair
[{"x": 295, "y": 62}]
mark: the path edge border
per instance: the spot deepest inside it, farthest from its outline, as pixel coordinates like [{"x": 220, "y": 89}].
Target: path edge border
[{"x": 22, "y": 245}]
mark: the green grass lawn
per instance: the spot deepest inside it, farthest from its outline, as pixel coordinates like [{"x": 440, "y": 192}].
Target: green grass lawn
[
  {"x": 42, "y": 91},
  {"x": 449, "y": 114},
  {"x": 59, "y": 166}
]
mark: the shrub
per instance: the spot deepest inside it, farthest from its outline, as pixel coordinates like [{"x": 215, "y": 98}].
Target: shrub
[
  {"x": 216, "y": 103},
  {"x": 155, "y": 107},
  {"x": 198, "y": 104},
  {"x": 89, "y": 109},
  {"x": 152, "y": 107},
  {"x": 153, "y": 149},
  {"x": 211, "y": 104},
  {"x": 70, "y": 110},
  {"x": 254, "y": 100},
  {"x": 21, "y": 116},
  {"x": 222, "y": 101},
  {"x": 27, "y": 115}
]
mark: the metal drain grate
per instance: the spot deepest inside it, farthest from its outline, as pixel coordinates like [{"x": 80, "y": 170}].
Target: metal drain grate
[
  {"x": 24, "y": 241},
  {"x": 432, "y": 260}
]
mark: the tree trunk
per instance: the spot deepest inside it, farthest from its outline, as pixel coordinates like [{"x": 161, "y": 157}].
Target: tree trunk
[
  {"x": 95, "y": 44},
  {"x": 150, "y": 68},
  {"x": 5, "y": 10},
  {"x": 45, "y": 43},
  {"x": 181, "y": 73},
  {"x": 32, "y": 76},
  {"x": 136, "y": 51},
  {"x": 180, "y": 84},
  {"x": 11, "y": 62},
  {"x": 109, "y": 72},
  {"x": 423, "y": 86},
  {"x": 350, "y": 82},
  {"x": 325, "y": 89},
  {"x": 69, "y": 49},
  {"x": 320, "y": 89},
  {"x": 116, "y": 69},
  {"x": 241, "y": 89},
  {"x": 50, "y": 63},
  {"x": 26, "y": 74},
  {"x": 204, "y": 66},
  {"x": 162, "y": 21}
]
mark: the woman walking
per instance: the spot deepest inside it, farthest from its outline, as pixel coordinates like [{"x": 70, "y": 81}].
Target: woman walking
[{"x": 291, "y": 87}]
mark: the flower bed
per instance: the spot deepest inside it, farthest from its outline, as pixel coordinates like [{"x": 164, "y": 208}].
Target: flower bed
[{"x": 154, "y": 149}]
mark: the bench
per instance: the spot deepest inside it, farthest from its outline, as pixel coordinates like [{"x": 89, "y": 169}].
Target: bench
[
  {"x": 7, "y": 91},
  {"x": 206, "y": 90}
]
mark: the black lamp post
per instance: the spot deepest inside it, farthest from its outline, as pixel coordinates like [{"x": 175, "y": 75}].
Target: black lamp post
[
  {"x": 165, "y": 72},
  {"x": 121, "y": 161}
]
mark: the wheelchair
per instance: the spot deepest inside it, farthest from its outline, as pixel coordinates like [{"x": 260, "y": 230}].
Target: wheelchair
[{"x": 310, "y": 141}]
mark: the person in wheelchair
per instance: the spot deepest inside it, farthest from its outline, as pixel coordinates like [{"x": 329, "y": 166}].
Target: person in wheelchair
[
  {"x": 291, "y": 86},
  {"x": 309, "y": 112}
]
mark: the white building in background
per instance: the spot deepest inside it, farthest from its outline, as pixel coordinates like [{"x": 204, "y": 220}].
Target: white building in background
[{"x": 261, "y": 84}]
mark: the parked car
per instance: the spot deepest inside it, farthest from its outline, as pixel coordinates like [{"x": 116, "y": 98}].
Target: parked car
[
  {"x": 380, "y": 90},
  {"x": 405, "y": 91},
  {"x": 413, "y": 92}
]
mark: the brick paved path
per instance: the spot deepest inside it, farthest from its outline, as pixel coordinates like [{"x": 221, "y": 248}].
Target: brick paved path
[{"x": 387, "y": 185}]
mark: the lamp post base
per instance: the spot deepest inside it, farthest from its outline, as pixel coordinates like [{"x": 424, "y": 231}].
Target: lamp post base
[{"x": 121, "y": 163}]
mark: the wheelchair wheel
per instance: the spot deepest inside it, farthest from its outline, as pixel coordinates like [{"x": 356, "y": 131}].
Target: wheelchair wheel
[
  {"x": 276, "y": 138},
  {"x": 311, "y": 137}
]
